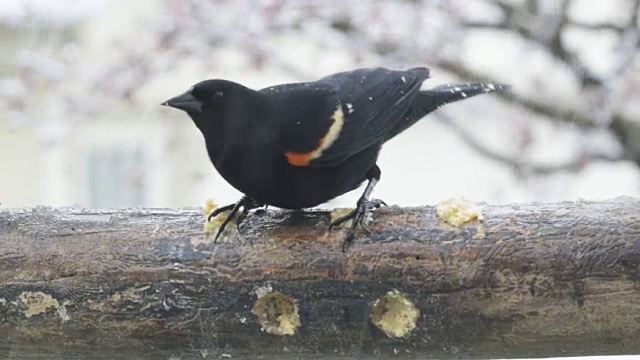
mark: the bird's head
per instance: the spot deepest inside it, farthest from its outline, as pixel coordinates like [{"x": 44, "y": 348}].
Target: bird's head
[
  {"x": 212, "y": 103},
  {"x": 208, "y": 95}
]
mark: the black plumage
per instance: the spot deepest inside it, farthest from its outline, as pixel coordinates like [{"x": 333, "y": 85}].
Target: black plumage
[{"x": 302, "y": 144}]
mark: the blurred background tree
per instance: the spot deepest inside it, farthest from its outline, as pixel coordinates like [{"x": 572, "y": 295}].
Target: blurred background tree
[{"x": 81, "y": 84}]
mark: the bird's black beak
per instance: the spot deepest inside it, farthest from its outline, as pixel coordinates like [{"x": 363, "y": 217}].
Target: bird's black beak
[{"x": 186, "y": 102}]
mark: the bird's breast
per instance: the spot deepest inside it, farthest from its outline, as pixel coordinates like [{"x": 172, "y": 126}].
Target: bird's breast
[{"x": 263, "y": 173}]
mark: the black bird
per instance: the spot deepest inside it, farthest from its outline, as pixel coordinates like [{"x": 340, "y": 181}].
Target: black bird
[{"x": 299, "y": 145}]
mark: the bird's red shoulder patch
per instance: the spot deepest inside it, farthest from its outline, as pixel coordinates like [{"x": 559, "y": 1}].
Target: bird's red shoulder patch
[
  {"x": 304, "y": 159},
  {"x": 299, "y": 159}
]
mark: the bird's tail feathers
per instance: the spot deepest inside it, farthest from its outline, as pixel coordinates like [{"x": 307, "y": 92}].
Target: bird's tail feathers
[{"x": 433, "y": 98}]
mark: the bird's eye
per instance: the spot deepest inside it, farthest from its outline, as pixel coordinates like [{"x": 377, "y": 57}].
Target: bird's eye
[{"x": 218, "y": 95}]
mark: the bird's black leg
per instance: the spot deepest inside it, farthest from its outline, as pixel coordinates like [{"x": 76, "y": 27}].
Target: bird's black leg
[
  {"x": 245, "y": 202},
  {"x": 248, "y": 205},
  {"x": 363, "y": 208}
]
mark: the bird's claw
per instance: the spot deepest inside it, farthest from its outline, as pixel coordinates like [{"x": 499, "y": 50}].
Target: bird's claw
[
  {"x": 219, "y": 211},
  {"x": 359, "y": 217},
  {"x": 245, "y": 202}
]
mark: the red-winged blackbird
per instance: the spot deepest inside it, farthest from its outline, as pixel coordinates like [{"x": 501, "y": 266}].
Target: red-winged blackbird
[{"x": 299, "y": 145}]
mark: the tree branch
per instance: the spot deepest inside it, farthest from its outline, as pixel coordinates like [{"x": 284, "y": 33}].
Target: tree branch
[
  {"x": 519, "y": 165},
  {"x": 531, "y": 280},
  {"x": 625, "y": 129}
]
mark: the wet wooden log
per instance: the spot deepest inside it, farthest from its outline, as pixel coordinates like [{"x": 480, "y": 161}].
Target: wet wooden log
[{"x": 531, "y": 280}]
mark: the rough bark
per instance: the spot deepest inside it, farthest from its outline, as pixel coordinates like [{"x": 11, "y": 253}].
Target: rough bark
[{"x": 531, "y": 280}]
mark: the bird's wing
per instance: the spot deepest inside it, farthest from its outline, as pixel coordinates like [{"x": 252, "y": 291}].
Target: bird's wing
[{"x": 350, "y": 112}]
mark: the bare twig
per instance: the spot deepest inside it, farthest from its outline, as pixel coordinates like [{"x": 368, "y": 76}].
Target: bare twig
[{"x": 517, "y": 163}]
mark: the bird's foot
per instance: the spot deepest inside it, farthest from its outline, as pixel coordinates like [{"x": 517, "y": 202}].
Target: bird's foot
[
  {"x": 359, "y": 217},
  {"x": 246, "y": 203}
]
